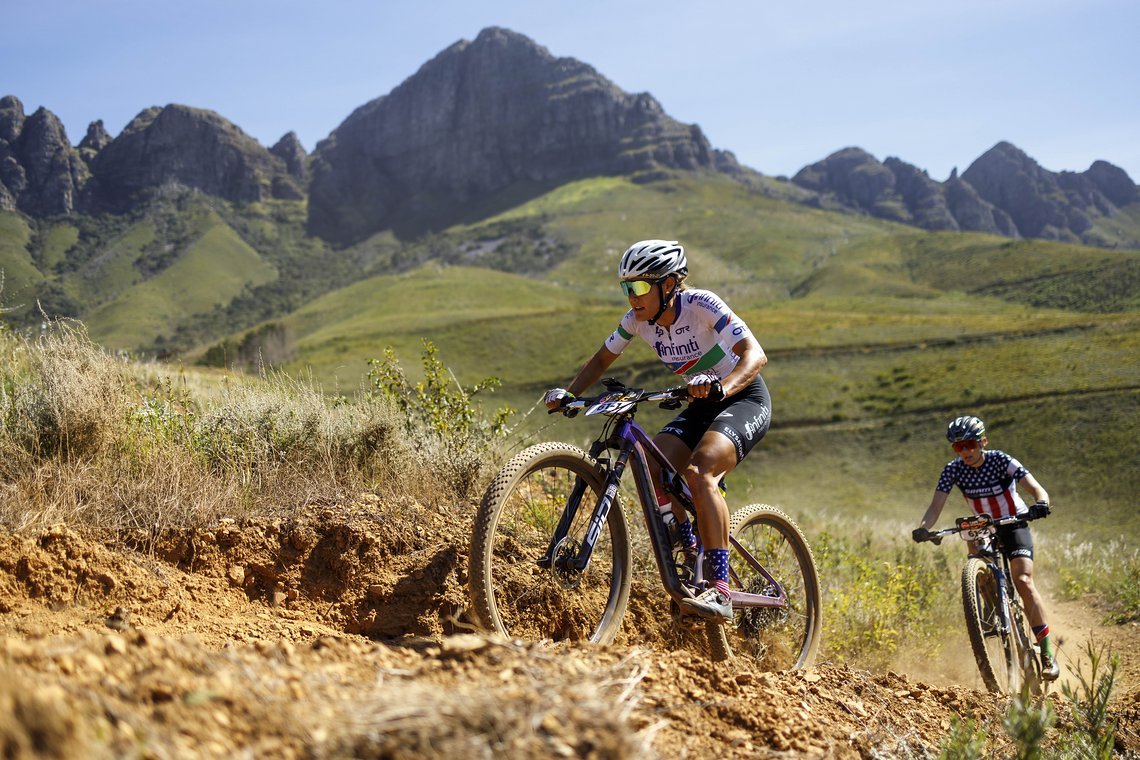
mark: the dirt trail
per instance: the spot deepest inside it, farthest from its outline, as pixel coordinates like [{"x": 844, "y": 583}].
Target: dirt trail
[{"x": 341, "y": 633}]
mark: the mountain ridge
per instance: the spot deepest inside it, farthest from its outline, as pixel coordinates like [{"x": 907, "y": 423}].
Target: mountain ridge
[
  {"x": 480, "y": 117},
  {"x": 490, "y": 122}
]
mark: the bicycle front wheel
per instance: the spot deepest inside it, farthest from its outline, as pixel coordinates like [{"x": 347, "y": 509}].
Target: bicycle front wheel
[
  {"x": 779, "y": 638},
  {"x": 1026, "y": 652},
  {"x": 515, "y": 594},
  {"x": 994, "y": 648}
]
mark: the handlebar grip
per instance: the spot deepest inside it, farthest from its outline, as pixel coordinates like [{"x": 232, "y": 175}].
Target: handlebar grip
[{"x": 716, "y": 391}]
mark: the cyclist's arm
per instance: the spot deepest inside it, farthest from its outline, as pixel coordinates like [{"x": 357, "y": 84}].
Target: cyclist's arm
[
  {"x": 937, "y": 502},
  {"x": 752, "y": 360},
  {"x": 1035, "y": 488},
  {"x": 591, "y": 371}
]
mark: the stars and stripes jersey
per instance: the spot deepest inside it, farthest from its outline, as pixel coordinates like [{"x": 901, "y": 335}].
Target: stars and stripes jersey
[
  {"x": 700, "y": 340},
  {"x": 989, "y": 489}
]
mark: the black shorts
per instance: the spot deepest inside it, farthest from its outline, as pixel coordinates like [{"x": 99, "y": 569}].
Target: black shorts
[
  {"x": 1016, "y": 540},
  {"x": 743, "y": 418}
]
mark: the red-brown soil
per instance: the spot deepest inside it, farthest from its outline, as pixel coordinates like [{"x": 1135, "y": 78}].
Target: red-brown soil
[{"x": 342, "y": 633}]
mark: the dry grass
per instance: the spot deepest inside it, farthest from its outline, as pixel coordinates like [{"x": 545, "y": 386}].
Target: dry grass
[
  {"x": 546, "y": 711},
  {"x": 95, "y": 440}
]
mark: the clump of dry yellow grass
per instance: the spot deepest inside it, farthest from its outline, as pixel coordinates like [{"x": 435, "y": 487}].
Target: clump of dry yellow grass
[{"x": 93, "y": 439}]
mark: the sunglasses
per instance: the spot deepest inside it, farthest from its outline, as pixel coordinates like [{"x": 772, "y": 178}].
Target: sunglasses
[
  {"x": 637, "y": 287},
  {"x": 965, "y": 445}
]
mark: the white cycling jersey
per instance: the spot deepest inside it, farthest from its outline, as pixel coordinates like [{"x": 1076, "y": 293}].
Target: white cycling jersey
[{"x": 700, "y": 340}]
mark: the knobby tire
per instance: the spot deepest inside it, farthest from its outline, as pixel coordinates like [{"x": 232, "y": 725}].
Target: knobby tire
[
  {"x": 778, "y": 639},
  {"x": 994, "y": 651},
  {"x": 510, "y": 593}
]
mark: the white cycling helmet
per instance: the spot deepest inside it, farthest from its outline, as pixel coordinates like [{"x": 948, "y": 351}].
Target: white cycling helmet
[{"x": 653, "y": 259}]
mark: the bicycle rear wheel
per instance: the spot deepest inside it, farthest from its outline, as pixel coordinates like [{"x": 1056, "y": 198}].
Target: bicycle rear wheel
[
  {"x": 783, "y": 638},
  {"x": 515, "y": 596},
  {"x": 994, "y": 649}
]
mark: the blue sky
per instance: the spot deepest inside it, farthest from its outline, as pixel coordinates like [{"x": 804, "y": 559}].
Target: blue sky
[{"x": 781, "y": 84}]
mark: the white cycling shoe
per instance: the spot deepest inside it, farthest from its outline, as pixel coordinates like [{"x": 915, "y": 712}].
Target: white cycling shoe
[{"x": 710, "y": 605}]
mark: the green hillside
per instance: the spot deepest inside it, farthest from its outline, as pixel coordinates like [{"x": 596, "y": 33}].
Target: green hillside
[
  {"x": 210, "y": 272},
  {"x": 19, "y": 271},
  {"x": 877, "y": 334}
]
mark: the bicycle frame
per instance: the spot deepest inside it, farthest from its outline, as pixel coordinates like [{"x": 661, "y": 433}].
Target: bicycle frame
[
  {"x": 633, "y": 446},
  {"x": 989, "y": 552}
]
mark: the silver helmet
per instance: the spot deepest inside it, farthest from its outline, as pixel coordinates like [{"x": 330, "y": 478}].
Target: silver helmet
[{"x": 653, "y": 259}]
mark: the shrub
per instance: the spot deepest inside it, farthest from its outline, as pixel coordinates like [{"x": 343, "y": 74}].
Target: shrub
[
  {"x": 873, "y": 604},
  {"x": 1095, "y": 734},
  {"x": 92, "y": 439},
  {"x": 441, "y": 418}
]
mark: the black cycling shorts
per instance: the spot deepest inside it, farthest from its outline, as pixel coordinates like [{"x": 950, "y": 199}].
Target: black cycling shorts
[
  {"x": 743, "y": 418},
  {"x": 1016, "y": 540}
]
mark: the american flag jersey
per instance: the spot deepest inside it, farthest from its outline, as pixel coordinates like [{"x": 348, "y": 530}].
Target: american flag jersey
[{"x": 990, "y": 489}]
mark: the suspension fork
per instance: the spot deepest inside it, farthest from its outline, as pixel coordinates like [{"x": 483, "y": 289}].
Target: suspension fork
[
  {"x": 1003, "y": 594},
  {"x": 581, "y": 558}
]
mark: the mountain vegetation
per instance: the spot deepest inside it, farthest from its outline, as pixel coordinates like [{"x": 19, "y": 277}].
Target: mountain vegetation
[{"x": 482, "y": 205}]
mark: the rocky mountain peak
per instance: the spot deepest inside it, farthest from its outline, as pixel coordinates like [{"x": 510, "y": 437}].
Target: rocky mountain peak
[
  {"x": 40, "y": 173},
  {"x": 1008, "y": 178},
  {"x": 1003, "y": 192},
  {"x": 1114, "y": 182},
  {"x": 482, "y": 116},
  {"x": 290, "y": 150},
  {"x": 95, "y": 140},
  {"x": 11, "y": 118},
  {"x": 191, "y": 147}
]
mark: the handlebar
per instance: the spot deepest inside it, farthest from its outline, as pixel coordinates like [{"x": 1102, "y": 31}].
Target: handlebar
[
  {"x": 975, "y": 522},
  {"x": 669, "y": 398}
]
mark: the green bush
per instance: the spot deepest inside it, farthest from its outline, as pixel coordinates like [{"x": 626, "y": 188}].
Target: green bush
[
  {"x": 1027, "y": 724},
  {"x": 92, "y": 439},
  {"x": 440, "y": 414},
  {"x": 874, "y": 603},
  {"x": 966, "y": 741},
  {"x": 1095, "y": 733}
]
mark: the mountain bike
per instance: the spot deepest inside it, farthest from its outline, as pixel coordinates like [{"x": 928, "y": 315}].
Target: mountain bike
[
  {"x": 551, "y": 551},
  {"x": 1006, "y": 653}
]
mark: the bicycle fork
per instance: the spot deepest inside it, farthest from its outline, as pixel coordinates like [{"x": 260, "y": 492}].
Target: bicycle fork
[{"x": 579, "y": 560}]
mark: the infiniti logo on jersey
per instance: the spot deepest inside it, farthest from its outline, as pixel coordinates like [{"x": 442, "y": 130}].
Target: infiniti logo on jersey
[{"x": 681, "y": 349}]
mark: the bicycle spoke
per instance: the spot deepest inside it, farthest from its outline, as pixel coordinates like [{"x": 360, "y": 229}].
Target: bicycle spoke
[
  {"x": 518, "y": 596},
  {"x": 778, "y": 638}
]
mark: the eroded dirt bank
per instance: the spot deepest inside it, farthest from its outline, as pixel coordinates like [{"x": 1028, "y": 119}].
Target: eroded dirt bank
[{"x": 342, "y": 634}]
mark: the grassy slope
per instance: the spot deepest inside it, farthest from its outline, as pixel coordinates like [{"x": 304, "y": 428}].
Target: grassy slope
[
  {"x": 20, "y": 273},
  {"x": 113, "y": 271},
  {"x": 215, "y": 268},
  {"x": 877, "y": 334}
]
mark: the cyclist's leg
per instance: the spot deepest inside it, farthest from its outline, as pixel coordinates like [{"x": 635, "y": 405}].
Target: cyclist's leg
[
  {"x": 714, "y": 458},
  {"x": 740, "y": 422},
  {"x": 1019, "y": 544},
  {"x": 674, "y": 449},
  {"x": 1022, "y": 570},
  {"x": 677, "y": 452}
]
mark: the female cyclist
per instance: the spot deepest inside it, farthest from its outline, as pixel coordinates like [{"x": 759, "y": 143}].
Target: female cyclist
[
  {"x": 698, "y": 337},
  {"x": 988, "y": 479}
]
